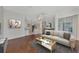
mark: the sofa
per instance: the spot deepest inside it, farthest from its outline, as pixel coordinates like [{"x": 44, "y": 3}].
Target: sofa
[{"x": 62, "y": 37}]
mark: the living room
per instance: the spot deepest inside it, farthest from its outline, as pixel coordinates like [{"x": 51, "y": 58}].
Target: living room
[{"x": 22, "y": 27}]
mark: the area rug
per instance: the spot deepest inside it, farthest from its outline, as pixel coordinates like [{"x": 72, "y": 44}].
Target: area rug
[{"x": 59, "y": 49}]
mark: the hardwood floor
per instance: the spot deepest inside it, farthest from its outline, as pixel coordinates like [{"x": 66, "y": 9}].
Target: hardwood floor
[
  {"x": 27, "y": 45},
  {"x": 22, "y": 45}
]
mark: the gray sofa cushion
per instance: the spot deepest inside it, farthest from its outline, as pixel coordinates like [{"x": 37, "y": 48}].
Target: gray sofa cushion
[
  {"x": 61, "y": 40},
  {"x": 66, "y": 36}
]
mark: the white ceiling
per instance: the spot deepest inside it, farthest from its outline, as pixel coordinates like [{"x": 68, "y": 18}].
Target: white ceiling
[{"x": 42, "y": 9}]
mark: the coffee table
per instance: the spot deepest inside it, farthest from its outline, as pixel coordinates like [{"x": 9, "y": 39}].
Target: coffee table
[{"x": 48, "y": 43}]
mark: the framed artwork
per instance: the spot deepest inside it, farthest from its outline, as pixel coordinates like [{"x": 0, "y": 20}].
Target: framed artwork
[{"x": 14, "y": 23}]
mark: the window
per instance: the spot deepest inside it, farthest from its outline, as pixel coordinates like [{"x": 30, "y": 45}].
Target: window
[{"x": 65, "y": 24}]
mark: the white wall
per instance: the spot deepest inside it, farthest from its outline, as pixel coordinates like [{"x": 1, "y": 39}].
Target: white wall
[
  {"x": 1, "y": 21},
  {"x": 13, "y": 33},
  {"x": 49, "y": 12},
  {"x": 77, "y": 28},
  {"x": 32, "y": 14}
]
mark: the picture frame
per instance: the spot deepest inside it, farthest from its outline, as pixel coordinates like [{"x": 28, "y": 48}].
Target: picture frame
[{"x": 14, "y": 23}]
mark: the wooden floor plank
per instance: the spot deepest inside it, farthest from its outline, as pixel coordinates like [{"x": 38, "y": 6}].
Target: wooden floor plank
[{"x": 21, "y": 45}]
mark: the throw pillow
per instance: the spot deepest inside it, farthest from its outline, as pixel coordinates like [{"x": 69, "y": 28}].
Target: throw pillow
[{"x": 66, "y": 36}]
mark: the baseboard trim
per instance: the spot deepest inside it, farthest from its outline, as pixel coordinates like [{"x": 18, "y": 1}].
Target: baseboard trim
[{"x": 21, "y": 37}]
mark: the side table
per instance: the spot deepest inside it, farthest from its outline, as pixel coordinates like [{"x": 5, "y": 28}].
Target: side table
[{"x": 72, "y": 44}]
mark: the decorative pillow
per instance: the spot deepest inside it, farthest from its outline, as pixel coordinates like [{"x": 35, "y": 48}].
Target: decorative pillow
[
  {"x": 54, "y": 33},
  {"x": 66, "y": 36},
  {"x": 60, "y": 34}
]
